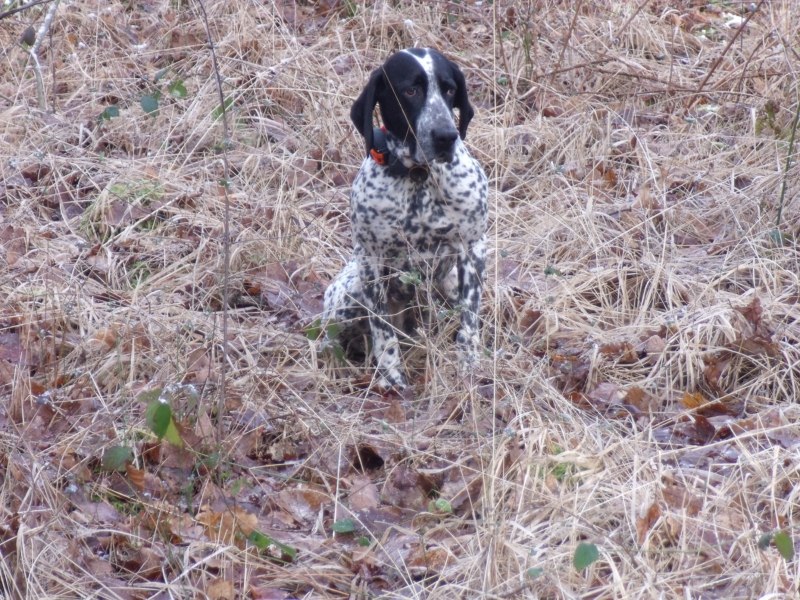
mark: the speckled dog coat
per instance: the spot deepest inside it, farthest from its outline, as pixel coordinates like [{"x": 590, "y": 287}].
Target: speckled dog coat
[{"x": 418, "y": 205}]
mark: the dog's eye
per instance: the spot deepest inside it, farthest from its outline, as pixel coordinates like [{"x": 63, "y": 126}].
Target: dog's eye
[
  {"x": 411, "y": 92},
  {"x": 450, "y": 92}
]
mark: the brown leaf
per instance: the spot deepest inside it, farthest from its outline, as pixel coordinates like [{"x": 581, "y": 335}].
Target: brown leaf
[
  {"x": 714, "y": 370},
  {"x": 220, "y": 589},
  {"x": 405, "y": 488},
  {"x": 396, "y": 411},
  {"x": 363, "y": 494},
  {"x": 692, "y": 400},
  {"x": 229, "y": 526},
  {"x": 677, "y": 497},
  {"x": 622, "y": 352},
  {"x": 640, "y": 400},
  {"x": 753, "y": 312},
  {"x": 135, "y": 476},
  {"x": 199, "y": 367},
  {"x": 303, "y": 504},
  {"x": 645, "y": 523}
]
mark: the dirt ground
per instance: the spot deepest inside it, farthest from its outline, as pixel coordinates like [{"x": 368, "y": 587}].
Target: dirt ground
[{"x": 172, "y": 422}]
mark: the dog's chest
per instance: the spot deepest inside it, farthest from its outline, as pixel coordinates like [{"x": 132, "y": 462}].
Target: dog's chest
[{"x": 398, "y": 216}]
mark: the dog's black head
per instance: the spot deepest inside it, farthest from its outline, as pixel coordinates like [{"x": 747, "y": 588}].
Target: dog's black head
[{"x": 417, "y": 90}]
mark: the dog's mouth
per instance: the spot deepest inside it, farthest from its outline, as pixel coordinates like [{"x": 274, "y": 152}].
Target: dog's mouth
[{"x": 444, "y": 157}]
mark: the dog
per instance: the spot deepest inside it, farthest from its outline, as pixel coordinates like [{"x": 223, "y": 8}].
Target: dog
[{"x": 418, "y": 209}]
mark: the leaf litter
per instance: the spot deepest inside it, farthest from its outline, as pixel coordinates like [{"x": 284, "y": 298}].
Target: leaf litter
[{"x": 636, "y": 408}]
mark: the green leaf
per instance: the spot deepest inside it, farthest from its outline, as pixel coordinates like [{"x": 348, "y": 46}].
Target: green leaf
[
  {"x": 116, "y": 457},
  {"x": 344, "y": 526},
  {"x": 551, "y": 270},
  {"x": 172, "y": 435},
  {"x": 333, "y": 330},
  {"x": 534, "y": 572},
  {"x": 177, "y": 89},
  {"x": 263, "y": 542},
  {"x": 765, "y": 540},
  {"x": 259, "y": 540},
  {"x": 149, "y": 104},
  {"x": 220, "y": 110},
  {"x": 783, "y": 542},
  {"x": 411, "y": 278},
  {"x": 159, "y": 420},
  {"x": 585, "y": 555},
  {"x": 338, "y": 352},
  {"x": 159, "y": 416},
  {"x": 314, "y": 331},
  {"x": 364, "y": 541},
  {"x": 109, "y": 113},
  {"x": 440, "y": 505}
]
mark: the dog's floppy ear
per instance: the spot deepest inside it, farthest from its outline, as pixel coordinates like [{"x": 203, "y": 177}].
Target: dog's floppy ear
[
  {"x": 461, "y": 102},
  {"x": 363, "y": 107}
]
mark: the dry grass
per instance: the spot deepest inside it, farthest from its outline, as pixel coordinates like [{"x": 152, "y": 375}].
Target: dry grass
[{"x": 642, "y": 322}]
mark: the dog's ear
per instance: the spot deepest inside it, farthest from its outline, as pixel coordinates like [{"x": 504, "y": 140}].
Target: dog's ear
[
  {"x": 461, "y": 102},
  {"x": 363, "y": 107}
]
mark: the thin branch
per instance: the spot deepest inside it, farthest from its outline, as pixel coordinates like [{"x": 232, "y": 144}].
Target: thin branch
[
  {"x": 567, "y": 38},
  {"x": 789, "y": 156},
  {"x": 724, "y": 52},
  {"x": 13, "y": 11},
  {"x": 226, "y": 242},
  {"x": 44, "y": 28}
]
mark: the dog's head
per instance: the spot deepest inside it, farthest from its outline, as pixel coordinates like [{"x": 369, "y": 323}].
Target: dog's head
[{"x": 417, "y": 90}]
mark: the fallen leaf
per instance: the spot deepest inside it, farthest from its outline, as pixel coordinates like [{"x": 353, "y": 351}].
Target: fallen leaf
[
  {"x": 220, "y": 589},
  {"x": 363, "y": 494},
  {"x": 405, "y": 488},
  {"x": 645, "y": 523}
]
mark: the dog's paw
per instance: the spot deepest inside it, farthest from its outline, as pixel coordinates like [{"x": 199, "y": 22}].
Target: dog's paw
[{"x": 390, "y": 379}]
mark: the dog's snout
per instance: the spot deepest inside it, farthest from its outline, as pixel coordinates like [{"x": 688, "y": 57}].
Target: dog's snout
[{"x": 444, "y": 141}]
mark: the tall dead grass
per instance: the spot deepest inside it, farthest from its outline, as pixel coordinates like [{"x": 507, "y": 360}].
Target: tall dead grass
[{"x": 641, "y": 319}]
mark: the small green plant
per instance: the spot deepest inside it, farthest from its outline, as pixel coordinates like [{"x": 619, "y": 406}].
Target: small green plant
[
  {"x": 328, "y": 335},
  {"x": 440, "y": 506},
  {"x": 175, "y": 88},
  {"x": 413, "y": 278},
  {"x": 585, "y": 555},
  {"x": 343, "y": 526},
  {"x": 116, "y": 458},
  {"x": 534, "y": 572},
  {"x": 221, "y": 109},
  {"x": 781, "y": 540},
  {"x": 108, "y": 113},
  {"x": 264, "y": 542},
  {"x": 159, "y": 418}
]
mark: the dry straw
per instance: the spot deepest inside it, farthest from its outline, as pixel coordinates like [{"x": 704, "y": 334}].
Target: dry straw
[{"x": 638, "y": 390}]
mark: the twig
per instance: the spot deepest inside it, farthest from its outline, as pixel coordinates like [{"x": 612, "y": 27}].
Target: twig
[
  {"x": 632, "y": 17},
  {"x": 13, "y": 11},
  {"x": 577, "y": 11},
  {"x": 44, "y": 28},
  {"x": 789, "y": 156},
  {"x": 724, "y": 52},
  {"x": 226, "y": 242}
]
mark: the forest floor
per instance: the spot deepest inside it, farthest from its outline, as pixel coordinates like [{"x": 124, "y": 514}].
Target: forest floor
[{"x": 172, "y": 428}]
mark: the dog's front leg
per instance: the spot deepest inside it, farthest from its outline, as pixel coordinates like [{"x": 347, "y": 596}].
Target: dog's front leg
[
  {"x": 471, "y": 266},
  {"x": 385, "y": 346}
]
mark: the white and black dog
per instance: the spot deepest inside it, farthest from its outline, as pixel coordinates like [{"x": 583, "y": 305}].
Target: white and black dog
[{"x": 418, "y": 205}]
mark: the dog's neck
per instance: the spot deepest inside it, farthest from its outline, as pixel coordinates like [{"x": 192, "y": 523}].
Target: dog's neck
[{"x": 395, "y": 155}]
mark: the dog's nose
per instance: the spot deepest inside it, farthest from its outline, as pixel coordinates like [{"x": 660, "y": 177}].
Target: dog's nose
[{"x": 444, "y": 141}]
